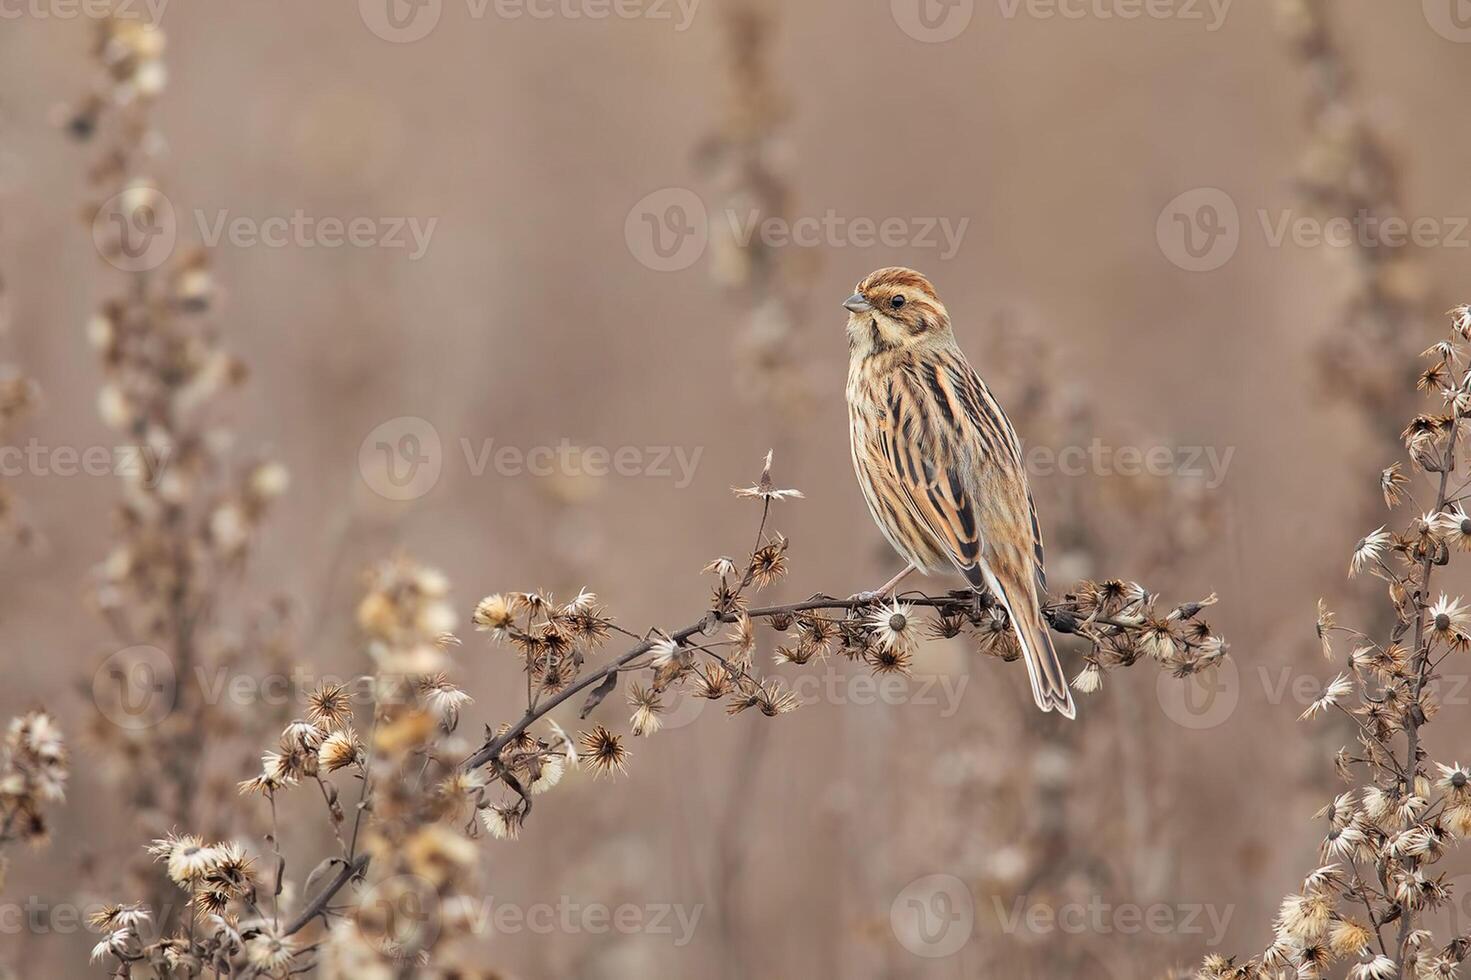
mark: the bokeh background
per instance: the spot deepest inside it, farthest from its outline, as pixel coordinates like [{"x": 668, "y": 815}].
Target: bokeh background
[{"x": 807, "y": 843}]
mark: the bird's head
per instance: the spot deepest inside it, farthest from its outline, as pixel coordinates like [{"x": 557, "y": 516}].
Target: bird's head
[{"x": 895, "y": 308}]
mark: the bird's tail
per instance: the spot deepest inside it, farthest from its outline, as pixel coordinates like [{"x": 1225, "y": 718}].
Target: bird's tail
[{"x": 1044, "y": 669}]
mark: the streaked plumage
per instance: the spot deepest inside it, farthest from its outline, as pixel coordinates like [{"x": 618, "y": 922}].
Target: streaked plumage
[{"x": 940, "y": 464}]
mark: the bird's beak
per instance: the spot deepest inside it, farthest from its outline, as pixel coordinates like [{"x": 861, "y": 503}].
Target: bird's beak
[{"x": 857, "y": 304}]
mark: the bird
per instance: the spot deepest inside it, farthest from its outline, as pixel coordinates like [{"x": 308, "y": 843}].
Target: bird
[{"x": 940, "y": 465}]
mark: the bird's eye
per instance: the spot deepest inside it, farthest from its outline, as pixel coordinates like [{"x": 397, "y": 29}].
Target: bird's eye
[{"x": 897, "y": 302}]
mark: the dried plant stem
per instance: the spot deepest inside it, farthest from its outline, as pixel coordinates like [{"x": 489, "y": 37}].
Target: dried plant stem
[
  {"x": 318, "y": 904},
  {"x": 1421, "y": 664},
  {"x": 1059, "y": 616},
  {"x": 1399, "y": 819}
]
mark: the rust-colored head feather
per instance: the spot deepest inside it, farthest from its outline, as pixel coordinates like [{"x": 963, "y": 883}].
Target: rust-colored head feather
[{"x": 894, "y": 308}]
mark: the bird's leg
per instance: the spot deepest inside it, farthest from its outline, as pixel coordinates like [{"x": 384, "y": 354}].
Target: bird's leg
[{"x": 883, "y": 592}]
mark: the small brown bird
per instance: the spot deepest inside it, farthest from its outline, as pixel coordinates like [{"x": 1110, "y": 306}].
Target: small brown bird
[{"x": 940, "y": 465}]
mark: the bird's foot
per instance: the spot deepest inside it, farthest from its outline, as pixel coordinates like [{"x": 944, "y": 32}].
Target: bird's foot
[{"x": 884, "y": 591}]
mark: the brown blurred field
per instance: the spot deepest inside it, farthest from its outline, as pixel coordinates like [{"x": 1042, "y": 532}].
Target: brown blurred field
[{"x": 529, "y": 320}]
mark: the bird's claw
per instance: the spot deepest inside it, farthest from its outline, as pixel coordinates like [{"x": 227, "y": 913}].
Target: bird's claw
[{"x": 866, "y": 598}]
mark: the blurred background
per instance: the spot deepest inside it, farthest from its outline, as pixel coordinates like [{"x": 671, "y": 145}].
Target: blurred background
[{"x": 635, "y": 226}]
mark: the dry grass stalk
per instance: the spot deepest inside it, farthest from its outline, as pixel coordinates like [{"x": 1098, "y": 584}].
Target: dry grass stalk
[
  {"x": 401, "y": 832},
  {"x": 1349, "y": 171},
  {"x": 743, "y": 160},
  {"x": 18, "y": 397},
  {"x": 1366, "y": 905},
  {"x": 187, "y": 514}
]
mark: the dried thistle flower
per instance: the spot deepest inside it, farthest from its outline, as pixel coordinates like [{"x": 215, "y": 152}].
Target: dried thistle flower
[
  {"x": 604, "y": 751},
  {"x": 33, "y": 775},
  {"x": 647, "y": 705},
  {"x": 766, "y": 489},
  {"x": 894, "y": 627},
  {"x": 330, "y": 706}
]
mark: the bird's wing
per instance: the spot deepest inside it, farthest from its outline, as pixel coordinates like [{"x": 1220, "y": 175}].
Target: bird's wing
[
  {"x": 956, "y": 458},
  {"x": 924, "y": 460},
  {"x": 958, "y": 464}
]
